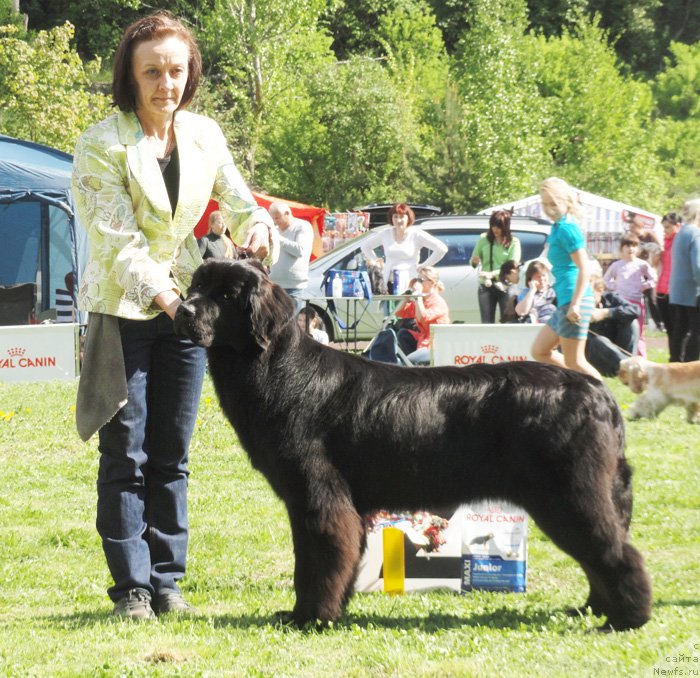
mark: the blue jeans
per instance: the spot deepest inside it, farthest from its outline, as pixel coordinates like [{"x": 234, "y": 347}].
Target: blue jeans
[
  {"x": 489, "y": 299},
  {"x": 142, "y": 477}
]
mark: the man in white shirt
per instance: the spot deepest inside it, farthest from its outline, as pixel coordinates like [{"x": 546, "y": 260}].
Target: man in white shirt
[{"x": 291, "y": 271}]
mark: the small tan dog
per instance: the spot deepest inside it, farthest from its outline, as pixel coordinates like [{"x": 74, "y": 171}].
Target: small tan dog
[{"x": 677, "y": 383}]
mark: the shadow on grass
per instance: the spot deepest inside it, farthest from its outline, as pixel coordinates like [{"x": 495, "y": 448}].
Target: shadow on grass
[{"x": 499, "y": 618}]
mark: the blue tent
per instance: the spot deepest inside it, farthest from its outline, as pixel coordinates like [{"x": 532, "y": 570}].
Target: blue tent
[{"x": 40, "y": 240}]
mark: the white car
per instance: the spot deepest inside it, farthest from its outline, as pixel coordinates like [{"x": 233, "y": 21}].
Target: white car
[{"x": 459, "y": 233}]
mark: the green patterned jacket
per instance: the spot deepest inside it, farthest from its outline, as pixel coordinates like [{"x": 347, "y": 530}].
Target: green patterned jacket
[{"x": 137, "y": 248}]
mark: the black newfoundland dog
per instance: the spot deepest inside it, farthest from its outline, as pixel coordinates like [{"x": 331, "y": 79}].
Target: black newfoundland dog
[{"x": 338, "y": 436}]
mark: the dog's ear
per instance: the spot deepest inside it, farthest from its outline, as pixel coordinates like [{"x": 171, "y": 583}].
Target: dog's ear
[
  {"x": 638, "y": 377},
  {"x": 270, "y": 309},
  {"x": 623, "y": 373}
]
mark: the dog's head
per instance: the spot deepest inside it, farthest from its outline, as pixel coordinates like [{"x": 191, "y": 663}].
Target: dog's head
[
  {"x": 633, "y": 373},
  {"x": 233, "y": 303}
]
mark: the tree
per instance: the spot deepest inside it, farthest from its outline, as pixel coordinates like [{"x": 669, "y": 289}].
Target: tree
[
  {"x": 45, "y": 89},
  {"x": 340, "y": 144},
  {"x": 503, "y": 123},
  {"x": 99, "y": 24},
  {"x": 416, "y": 60},
  {"x": 677, "y": 126},
  {"x": 256, "y": 53},
  {"x": 599, "y": 131}
]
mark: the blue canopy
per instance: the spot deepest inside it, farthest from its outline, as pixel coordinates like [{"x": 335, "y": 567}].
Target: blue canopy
[{"x": 40, "y": 239}]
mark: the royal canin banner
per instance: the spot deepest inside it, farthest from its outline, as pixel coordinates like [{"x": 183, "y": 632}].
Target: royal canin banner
[
  {"x": 38, "y": 352},
  {"x": 487, "y": 344}
]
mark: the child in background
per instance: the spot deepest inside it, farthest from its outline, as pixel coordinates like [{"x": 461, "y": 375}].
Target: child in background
[
  {"x": 630, "y": 276},
  {"x": 537, "y": 302},
  {"x": 509, "y": 282},
  {"x": 307, "y": 316}
]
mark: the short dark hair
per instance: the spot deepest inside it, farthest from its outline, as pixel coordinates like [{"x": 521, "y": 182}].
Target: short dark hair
[
  {"x": 506, "y": 268},
  {"x": 401, "y": 208},
  {"x": 151, "y": 27},
  {"x": 629, "y": 239}
]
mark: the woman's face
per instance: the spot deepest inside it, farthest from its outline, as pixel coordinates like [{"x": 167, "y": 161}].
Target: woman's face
[
  {"x": 549, "y": 206},
  {"x": 669, "y": 227},
  {"x": 400, "y": 220},
  {"x": 160, "y": 70},
  {"x": 497, "y": 231},
  {"x": 217, "y": 225}
]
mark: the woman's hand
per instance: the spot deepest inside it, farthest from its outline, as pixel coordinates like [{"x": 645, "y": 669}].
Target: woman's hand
[
  {"x": 416, "y": 287},
  {"x": 257, "y": 241},
  {"x": 168, "y": 301},
  {"x": 475, "y": 261},
  {"x": 573, "y": 315}
]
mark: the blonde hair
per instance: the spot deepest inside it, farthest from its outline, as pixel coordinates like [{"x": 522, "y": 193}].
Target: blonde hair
[
  {"x": 431, "y": 274},
  {"x": 228, "y": 243},
  {"x": 563, "y": 196}
]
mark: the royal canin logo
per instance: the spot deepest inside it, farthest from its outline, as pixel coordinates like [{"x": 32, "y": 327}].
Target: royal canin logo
[{"x": 17, "y": 359}]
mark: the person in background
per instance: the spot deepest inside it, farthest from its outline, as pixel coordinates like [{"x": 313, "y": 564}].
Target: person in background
[
  {"x": 650, "y": 248},
  {"x": 684, "y": 288},
  {"x": 537, "y": 302},
  {"x": 402, "y": 245},
  {"x": 311, "y": 324},
  {"x": 296, "y": 236},
  {"x": 65, "y": 300},
  {"x": 493, "y": 249},
  {"x": 428, "y": 308},
  {"x": 216, "y": 242},
  {"x": 630, "y": 276},
  {"x": 614, "y": 331},
  {"x": 671, "y": 223},
  {"x": 141, "y": 382},
  {"x": 509, "y": 279},
  {"x": 568, "y": 327}
]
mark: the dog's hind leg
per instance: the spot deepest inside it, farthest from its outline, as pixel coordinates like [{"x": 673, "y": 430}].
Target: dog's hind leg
[
  {"x": 590, "y": 532},
  {"x": 327, "y": 548}
]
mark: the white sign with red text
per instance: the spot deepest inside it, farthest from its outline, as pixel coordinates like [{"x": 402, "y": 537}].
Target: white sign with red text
[
  {"x": 488, "y": 344},
  {"x": 38, "y": 352}
]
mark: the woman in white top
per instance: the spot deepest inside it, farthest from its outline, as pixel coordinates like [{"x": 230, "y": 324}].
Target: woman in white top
[{"x": 402, "y": 245}]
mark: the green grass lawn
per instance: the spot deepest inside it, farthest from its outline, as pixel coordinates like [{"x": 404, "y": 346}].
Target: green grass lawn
[{"x": 55, "y": 616}]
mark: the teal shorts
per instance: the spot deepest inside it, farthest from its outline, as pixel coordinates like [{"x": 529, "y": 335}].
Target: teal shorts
[{"x": 568, "y": 330}]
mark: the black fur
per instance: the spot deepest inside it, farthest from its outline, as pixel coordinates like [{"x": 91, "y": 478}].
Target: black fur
[{"x": 338, "y": 436}]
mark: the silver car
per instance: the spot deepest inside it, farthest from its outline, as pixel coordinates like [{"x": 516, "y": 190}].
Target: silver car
[{"x": 459, "y": 233}]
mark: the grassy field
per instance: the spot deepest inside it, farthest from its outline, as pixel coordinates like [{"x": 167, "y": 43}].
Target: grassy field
[{"x": 55, "y": 616}]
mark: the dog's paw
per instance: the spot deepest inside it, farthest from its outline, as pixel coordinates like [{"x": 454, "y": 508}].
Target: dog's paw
[
  {"x": 284, "y": 618},
  {"x": 289, "y": 618}
]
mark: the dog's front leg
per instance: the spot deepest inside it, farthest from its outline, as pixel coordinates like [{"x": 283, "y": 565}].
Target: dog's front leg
[
  {"x": 327, "y": 545},
  {"x": 693, "y": 412},
  {"x": 649, "y": 405}
]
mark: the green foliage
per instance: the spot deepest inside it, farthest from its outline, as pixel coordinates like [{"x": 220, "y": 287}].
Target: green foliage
[
  {"x": 598, "y": 127},
  {"x": 256, "y": 50},
  {"x": 45, "y": 88},
  {"x": 9, "y": 17},
  {"x": 340, "y": 143},
  {"x": 503, "y": 122},
  {"x": 677, "y": 127},
  {"x": 677, "y": 87}
]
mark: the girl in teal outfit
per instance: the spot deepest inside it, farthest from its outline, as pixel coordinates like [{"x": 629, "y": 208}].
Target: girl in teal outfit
[{"x": 568, "y": 327}]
